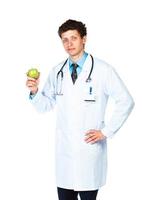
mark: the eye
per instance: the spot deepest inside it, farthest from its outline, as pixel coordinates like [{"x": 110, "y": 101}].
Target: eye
[
  {"x": 65, "y": 40},
  {"x": 74, "y": 38}
]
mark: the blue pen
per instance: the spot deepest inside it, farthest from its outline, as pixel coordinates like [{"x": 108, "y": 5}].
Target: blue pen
[{"x": 90, "y": 91}]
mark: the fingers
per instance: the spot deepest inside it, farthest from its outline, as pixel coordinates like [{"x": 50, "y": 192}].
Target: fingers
[
  {"x": 93, "y": 136},
  {"x": 32, "y": 84},
  {"x": 91, "y": 131},
  {"x": 91, "y": 139}
]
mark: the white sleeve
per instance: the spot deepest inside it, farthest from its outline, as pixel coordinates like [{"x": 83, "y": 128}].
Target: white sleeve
[
  {"x": 115, "y": 88},
  {"x": 45, "y": 100}
]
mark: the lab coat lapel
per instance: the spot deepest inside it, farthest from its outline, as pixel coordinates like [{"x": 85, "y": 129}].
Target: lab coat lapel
[
  {"x": 68, "y": 87},
  {"x": 67, "y": 80},
  {"x": 82, "y": 77}
]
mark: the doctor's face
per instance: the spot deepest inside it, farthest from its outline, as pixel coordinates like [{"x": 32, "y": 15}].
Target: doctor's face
[{"x": 73, "y": 43}]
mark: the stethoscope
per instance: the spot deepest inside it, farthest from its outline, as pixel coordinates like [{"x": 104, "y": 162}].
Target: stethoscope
[{"x": 60, "y": 74}]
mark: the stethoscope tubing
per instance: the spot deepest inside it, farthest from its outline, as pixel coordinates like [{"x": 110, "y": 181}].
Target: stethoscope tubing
[
  {"x": 60, "y": 72},
  {"x": 89, "y": 76}
]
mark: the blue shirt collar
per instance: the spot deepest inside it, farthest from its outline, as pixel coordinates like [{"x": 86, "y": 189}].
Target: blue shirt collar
[{"x": 80, "y": 62}]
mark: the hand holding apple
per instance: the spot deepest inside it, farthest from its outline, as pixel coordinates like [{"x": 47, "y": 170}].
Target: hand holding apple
[{"x": 33, "y": 80}]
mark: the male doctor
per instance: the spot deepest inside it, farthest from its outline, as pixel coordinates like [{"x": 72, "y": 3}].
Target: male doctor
[{"x": 80, "y": 87}]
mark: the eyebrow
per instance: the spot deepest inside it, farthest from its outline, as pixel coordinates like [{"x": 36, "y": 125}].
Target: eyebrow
[{"x": 63, "y": 37}]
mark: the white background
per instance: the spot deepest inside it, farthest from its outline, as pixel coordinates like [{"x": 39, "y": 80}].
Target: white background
[{"x": 28, "y": 38}]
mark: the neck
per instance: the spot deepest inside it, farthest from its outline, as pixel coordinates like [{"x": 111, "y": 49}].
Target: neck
[{"x": 75, "y": 58}]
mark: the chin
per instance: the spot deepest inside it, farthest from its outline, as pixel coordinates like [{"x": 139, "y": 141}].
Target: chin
[{"x": 73, "y": 53}]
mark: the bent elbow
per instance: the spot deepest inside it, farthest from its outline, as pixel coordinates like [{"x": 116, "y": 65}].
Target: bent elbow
[{"x": 131, "y": 104}]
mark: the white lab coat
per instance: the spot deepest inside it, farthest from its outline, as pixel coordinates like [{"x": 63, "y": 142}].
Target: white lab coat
[{"x": 81, "y": 166}]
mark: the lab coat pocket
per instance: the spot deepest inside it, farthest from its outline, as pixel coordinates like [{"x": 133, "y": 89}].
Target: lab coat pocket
[
  {"x": 90, "y": 116},
  {"x": 90, "y": 93},
  {"x": 96, "y": 149},
  {"x": 89, "y": 149},
  {"x": 90, "y": 98},
  {"x": 90, "y": 101}
]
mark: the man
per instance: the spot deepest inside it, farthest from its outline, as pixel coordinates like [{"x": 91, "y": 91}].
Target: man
[{"x": 80, "y": 87}]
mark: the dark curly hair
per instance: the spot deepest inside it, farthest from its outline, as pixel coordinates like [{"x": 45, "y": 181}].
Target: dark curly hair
[{"x": 73, "y": 25}]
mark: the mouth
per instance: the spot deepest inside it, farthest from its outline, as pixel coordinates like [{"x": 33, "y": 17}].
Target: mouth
[{"x": 71, "y": 49}]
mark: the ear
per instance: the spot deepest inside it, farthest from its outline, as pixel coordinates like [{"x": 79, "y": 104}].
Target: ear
[{"x": 84, "y": 39}]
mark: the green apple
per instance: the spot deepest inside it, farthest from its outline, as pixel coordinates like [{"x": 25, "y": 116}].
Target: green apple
[{"x": 33, "y": 73}]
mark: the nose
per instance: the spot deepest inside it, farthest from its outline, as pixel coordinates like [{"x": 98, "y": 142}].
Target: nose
[{"x": 69, "y": 43}]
